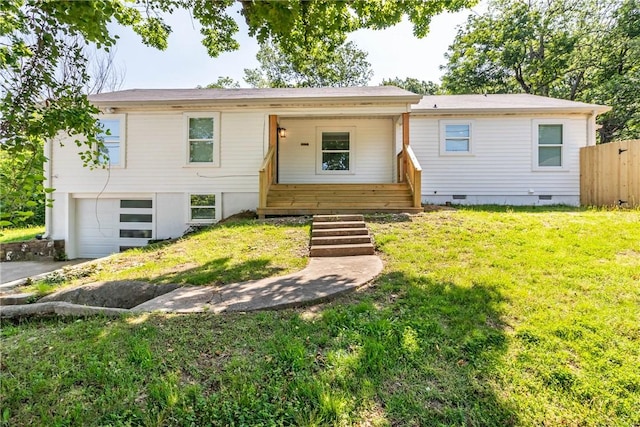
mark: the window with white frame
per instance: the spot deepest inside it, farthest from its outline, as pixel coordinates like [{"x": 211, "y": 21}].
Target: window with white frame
[
  {"x": 336, "y": 150},
  {"x": 112, "y": 137},
  {"x": 202, "y": 208},
  {"x": 549, "y": 145},
  {"x": 203, "y": 144},
  {"x": 455, "y": 137}
]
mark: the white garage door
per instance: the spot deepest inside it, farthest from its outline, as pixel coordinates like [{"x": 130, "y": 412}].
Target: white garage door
[{"x": 106, "y": 226}]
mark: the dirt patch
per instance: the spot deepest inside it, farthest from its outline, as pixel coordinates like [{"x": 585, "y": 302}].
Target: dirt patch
[
  {"x": 116, "y": 294},
  {"x": 628, "y": 257},
  {"x": 437, "y": 208}
]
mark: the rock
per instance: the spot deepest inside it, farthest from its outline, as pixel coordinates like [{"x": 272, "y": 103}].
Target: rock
[{"x": 117, "y": 294}]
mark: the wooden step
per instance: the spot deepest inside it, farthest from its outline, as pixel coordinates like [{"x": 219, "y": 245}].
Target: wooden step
[
  {"x": 339, "y": 205},
  {"x": 342, "y": 250},
  {"x": 340, "y": 240},
  {"x": 337, "y": 218},
  {"x": 339, "y": 232},
  {"x": 327, "y": 193},
  {"x": 370, "y": 199},
  {"x": 339, "y": 187},
  {"x": 338, "y": 224}
]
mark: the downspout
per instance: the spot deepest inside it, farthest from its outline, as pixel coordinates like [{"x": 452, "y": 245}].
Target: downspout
[
  {"x": 48, "y": 214},
  {"x": 591, "y": 128}
]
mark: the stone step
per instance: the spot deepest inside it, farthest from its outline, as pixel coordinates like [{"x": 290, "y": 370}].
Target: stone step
[
  {"x": 340, "y": 240},
  {"x": 338, "y": 224},
  {"x": 339, "y": 232},
  {"x": 342, "y": 250},
  {"x": 337, "y": 218}
]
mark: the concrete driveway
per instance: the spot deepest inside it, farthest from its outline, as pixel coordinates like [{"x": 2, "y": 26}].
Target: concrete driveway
[{"x": 15, "y": 270}]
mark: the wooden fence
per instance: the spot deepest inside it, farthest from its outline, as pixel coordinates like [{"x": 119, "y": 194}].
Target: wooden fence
[{"x": 610, "y": 174}]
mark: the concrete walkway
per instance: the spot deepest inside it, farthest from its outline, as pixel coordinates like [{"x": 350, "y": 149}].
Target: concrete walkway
[{"x": 323, "y": 278}]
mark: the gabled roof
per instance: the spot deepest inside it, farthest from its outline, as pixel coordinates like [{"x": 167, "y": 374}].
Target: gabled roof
[
  {"x": 501, "y": 103},
  {"x": 256, "y": 96}
]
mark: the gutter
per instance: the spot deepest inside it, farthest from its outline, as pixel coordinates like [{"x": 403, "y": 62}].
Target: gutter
[
  {"x": 48, "y": 214},
  {"x": 591, "y": 128},
  {"x": 484, "y": 111},
  {"x": 262, "y": 102}
]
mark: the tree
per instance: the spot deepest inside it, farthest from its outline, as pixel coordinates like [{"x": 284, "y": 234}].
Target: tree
[
  {"x": 583, "y": 50},
  {"x": 420, "y": 87},
  {"x": 21, "y": 169},
  {"x": 37, "y": 36},
  {"x": 223, "y": 82},
  {"x": 345, "y": 66}
]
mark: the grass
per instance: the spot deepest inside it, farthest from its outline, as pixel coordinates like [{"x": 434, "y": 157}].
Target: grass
[
  {"x": 231, "y": 252},
  {"x": 9, "y": 235},
  {"x": 481, "y": 317}
]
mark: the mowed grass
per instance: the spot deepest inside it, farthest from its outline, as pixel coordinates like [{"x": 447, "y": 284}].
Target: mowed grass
[
  {"x": 231, "y": 252},
  {"x": 481, "y": 317},
  {"x": 8, "y": 235}
]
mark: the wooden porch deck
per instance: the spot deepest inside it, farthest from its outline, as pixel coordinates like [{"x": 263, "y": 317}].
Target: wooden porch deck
[
  {"x": 343, "y": 198},
  {"x": 308, "y": 199}
]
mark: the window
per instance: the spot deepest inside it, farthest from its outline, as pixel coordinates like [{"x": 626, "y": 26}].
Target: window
[
  {"x": 202, "y": 207},
  {"x": 136, "y": 225},
  {"x": 335, "y": 150},
  {"x": 202, "y": 139},
  {"x": 112, "y": 138},
  {"x": 455, "y": 138},
  {"x": 136, "y": 204},
  {"x": 550, "y": 142}
]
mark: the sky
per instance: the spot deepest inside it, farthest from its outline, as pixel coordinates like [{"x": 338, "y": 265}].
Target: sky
[{"x": 393, "y": 52}]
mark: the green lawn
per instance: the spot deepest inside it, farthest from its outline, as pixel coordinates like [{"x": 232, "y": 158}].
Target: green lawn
[
  {"x": 231, "y": 252},
  {"x": 8, "y": 235},
  {"x": 482, "y": 317}
]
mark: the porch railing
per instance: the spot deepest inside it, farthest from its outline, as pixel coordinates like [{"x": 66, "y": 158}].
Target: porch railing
[
  {"x": 409, "y": 170},
  {"x": 267, "y": 175}
]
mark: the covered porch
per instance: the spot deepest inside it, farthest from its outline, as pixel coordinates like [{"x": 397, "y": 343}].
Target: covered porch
[{"x": 334, "y": 165}]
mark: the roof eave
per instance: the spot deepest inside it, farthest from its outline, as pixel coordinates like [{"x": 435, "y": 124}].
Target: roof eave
[
  {"x": 403, "y": 99},
  {"x": 598, "y": 109}
]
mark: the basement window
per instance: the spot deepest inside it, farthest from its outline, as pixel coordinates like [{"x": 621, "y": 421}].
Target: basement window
[{"x": 203, "y": 208}]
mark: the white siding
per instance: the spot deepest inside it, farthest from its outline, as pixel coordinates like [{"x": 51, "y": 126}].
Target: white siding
[
  {"x": 374, "y": 151},
  {"x": 171, "y": 214},
  {"x": 156, "y": 165},
  {"x": 501, "y": 165},
  {"x": 233, "y": 203},
  {"x": 156, "y": 158}
]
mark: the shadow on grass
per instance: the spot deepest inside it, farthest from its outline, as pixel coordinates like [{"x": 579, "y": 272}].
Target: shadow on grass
[
  {"x": 194, "y": 231},
  {"x": 424, "y": 351},
  {"x": 219, "y": 271},
  {"x": 408, "y": 351}
]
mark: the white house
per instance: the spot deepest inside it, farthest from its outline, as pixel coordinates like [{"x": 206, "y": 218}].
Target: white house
[
  {"x": 191, "y": 156},
  {"x": 512, "y": 149}
]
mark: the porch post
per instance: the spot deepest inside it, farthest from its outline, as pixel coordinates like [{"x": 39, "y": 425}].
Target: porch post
[
  {"x": 273, "y": 141},
  {"x": 405, "y": 144}
]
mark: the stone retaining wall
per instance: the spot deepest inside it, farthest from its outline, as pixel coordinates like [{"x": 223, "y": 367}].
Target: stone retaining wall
[{"x": 31, "y": 250}]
